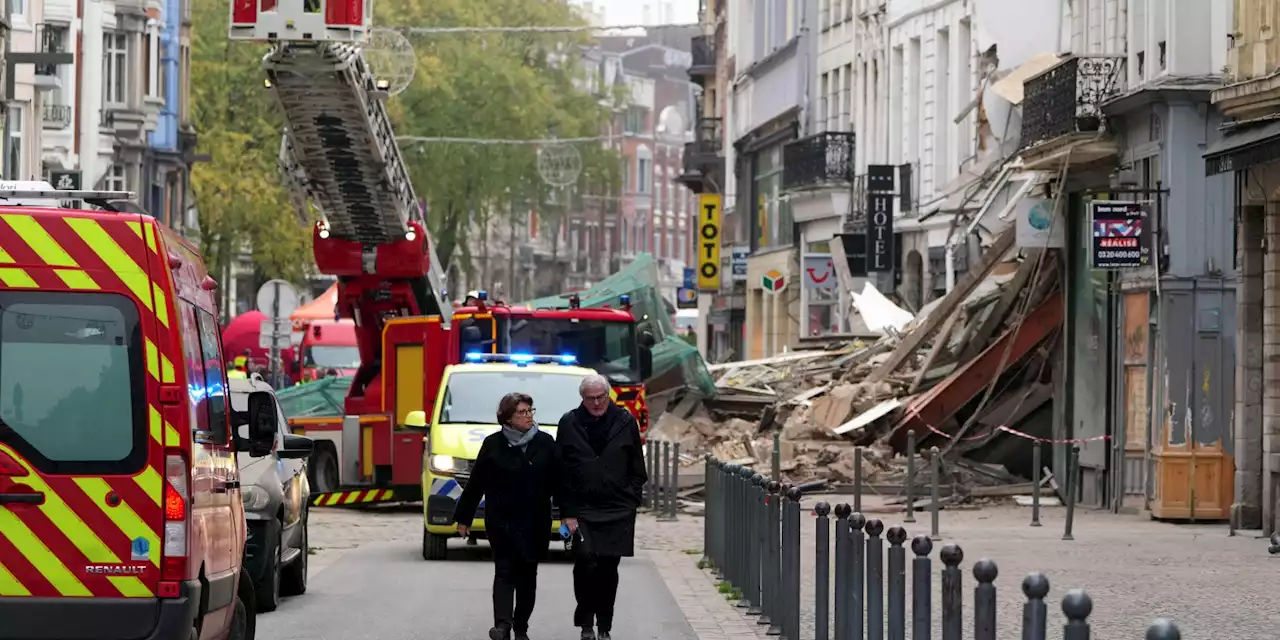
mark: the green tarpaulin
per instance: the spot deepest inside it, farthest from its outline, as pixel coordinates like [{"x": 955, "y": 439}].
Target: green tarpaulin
[
  {"x": 313, "y": 399},
  {"x": 675, "y": 362}
]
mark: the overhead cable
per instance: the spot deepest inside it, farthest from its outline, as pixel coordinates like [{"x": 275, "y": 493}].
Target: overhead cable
[{"x": 539, "y": 29}]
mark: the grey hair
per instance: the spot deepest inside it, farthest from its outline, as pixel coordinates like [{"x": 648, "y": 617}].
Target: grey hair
[{"x": 595, "y": 380}]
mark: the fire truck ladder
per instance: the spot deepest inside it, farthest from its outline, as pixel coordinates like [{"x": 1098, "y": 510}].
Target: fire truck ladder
[{"x": 339, "y": 148}]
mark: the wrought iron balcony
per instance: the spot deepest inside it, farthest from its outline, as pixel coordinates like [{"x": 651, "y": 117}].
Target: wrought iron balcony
[
  {"x": 56, "y": 116},
  {"x": 704, "y": 57},
  {"x": 1067, "y": 98},
  {"x": 821, "y": 159},
  {"x": 702, "y": 158}
]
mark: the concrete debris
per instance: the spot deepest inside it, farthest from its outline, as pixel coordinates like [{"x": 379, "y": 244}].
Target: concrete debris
[{"x": 824, "y": 403}]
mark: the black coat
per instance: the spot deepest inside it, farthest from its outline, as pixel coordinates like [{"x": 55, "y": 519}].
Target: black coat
[
  {"x": 607, "y": 485},
  {"x": 518, "y": 487}
]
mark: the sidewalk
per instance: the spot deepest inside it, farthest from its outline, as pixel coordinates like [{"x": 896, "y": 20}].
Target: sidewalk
[
  {"x": 386, "y": 591},
  {"x": 1135, "y": 570}
]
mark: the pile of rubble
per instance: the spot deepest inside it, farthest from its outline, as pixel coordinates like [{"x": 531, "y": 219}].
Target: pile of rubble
[{"x": 968, "y": 373}]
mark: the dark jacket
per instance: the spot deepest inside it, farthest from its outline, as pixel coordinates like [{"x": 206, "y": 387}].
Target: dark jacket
[
  {"x": 604, "y": 463},
  {"x": 518, "y": 487}
]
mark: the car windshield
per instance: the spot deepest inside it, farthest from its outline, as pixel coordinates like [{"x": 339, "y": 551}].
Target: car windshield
[
  {"x": 333, "y": 357},
  {"x": 471, "y": 397},
  {"x": 71, "y": 394},
  {"x": 609, "y": 347}
]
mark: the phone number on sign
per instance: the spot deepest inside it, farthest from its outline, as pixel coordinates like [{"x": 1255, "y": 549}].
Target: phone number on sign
[{"x": 1129, "y": 255}]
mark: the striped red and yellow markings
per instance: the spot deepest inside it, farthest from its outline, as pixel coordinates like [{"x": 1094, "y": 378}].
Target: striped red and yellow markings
[
  {"x": 344, "y": 498},
  {"x": 46, "y": 549}
]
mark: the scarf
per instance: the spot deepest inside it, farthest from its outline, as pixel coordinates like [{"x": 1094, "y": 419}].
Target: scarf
[{"x": 518, "y": 438}]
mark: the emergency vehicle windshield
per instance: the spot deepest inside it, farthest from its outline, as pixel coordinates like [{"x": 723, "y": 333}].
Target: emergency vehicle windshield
[
  {"x": 71, "y": 394},
  {"x": 608, "y": 347},
  {"x": 331, "y": 357},
  {"x": 471, "y": 397}
]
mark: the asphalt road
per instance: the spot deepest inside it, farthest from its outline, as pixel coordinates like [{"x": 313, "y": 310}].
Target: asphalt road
[{"x": 386, "y": 591}]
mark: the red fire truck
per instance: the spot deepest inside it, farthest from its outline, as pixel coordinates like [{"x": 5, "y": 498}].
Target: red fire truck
[{"x": 603, "y": 339}]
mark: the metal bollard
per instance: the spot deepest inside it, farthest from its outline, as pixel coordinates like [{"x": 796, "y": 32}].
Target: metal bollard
[
  {"x": 664, "y": 481},
  {"x": 1076, "y": 606},
  {"x": 1035, "y": 484},
  {"x": 673, "y": 491},
  {"x": 1163, "y": 629},
  {"x": 857, "y": 479},
  {"x": 767, "y": 585},
  {"x": 921, "y": 589},
  {"x": 754, "y": 545},
  {"x": 844, "y": 545},
  {"x": 984, "y": 600},
  {"x": 648, "y": 468},
  {"x": 774, "y": 557},
  {"x": 857, "y": 573},
  {"x": 875, "y": 580},
  {"x": 935, "y": 502},
  {"x": 1073, "y": 478},
  {"x": 744, "y": 533},
  {"x": 1035, "y": 615},
  {"x": 897, "y": 583},
  {"x": 911, "y": 477},
  {"x": 952, "y": 595},
  {"x": 822, "y": 571},
  {"x": 718, "y": 506},
  {"x": 791, "y": 578},
  {"x": 708, "y": 488},
  {"x": 732, "y": 517},
  {"x": 775, "y": 458}
]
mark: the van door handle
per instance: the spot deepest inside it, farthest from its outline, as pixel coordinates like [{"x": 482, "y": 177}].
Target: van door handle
[{"x": 21, "y": 498}]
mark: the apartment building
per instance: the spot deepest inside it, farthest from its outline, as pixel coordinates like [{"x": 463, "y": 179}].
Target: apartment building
[
  {"x": 1125, "y": 117},
  {"x": 1246, "y": 157}
]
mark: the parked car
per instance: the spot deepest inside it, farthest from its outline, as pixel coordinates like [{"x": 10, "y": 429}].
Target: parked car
[{"x": 276, "y": 496}]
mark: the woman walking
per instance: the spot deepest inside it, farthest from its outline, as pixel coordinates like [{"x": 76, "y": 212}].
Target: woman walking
[{"x": 518, "y": 472}]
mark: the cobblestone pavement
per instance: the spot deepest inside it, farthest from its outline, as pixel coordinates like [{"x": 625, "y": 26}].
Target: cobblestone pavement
[{"x": 1135, "y": 569}]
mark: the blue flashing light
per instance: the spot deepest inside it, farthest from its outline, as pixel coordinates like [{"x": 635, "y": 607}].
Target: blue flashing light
[
  {"x": 521, "y": 359},
  {"x": 626, "y": 300},
  {"x": 482, "y": 295}
]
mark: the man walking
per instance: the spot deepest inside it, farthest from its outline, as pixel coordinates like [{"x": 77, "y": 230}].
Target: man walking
[{"x": 604, "y": 461}]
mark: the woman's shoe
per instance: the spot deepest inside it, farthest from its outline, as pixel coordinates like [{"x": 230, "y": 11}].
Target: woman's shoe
[
  {"x": 588, "y": 633},
  {"x": 522, "y": 636},
  {"x": 603, "y": 635},
  {"x": 498, "y": 633}
]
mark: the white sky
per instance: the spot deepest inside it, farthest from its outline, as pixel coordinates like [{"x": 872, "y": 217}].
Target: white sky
[{"x": 634, "y": 11}]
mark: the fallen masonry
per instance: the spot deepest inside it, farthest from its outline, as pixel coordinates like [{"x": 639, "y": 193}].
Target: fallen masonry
[{"x": 970, "y": 374}]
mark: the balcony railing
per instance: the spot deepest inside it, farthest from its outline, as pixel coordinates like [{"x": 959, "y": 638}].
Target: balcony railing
[
  {"x": 824, "y": 158},
  {"x": 1068, "y": 98},
  {"x": 56, "y": 116},
  {"x": 704, "y": 56},
  {"x": 702, "y": 156}
]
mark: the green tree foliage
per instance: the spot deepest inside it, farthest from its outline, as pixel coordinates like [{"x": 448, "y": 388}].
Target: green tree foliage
[
  {"x": 239, "y": 193},
  {"x": 516, "y": 86}
]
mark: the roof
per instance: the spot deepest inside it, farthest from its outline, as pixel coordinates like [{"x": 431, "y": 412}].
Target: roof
[{"x": 502, "y": 367}]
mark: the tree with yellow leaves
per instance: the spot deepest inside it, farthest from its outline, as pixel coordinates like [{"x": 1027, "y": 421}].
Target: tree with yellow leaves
[{"x": 238, "y": 193}]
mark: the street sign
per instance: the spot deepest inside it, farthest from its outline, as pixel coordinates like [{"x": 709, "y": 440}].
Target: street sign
[
  {"x": 277, "y": 299},
  {"x": 709, "y": 242},
  {"x": 268, "y": 340},
  {"x": 284, "y": 326}
]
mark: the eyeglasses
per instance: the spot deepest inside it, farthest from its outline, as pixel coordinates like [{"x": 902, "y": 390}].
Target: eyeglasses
[
  {"x": 599, "y": 398},
  {"x": 526, "y": 412}
]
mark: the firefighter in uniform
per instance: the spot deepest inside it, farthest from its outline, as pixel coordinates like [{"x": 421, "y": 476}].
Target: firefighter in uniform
[{"x": 240, "y": 369}]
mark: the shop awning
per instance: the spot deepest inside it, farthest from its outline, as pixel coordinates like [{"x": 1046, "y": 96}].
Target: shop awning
[{"x": 1244, "y": 146}]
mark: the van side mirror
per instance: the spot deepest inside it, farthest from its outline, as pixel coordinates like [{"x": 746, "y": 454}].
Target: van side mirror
[
  {"x": 647, "y": 340},
  {"x": 262, "y": 423}
]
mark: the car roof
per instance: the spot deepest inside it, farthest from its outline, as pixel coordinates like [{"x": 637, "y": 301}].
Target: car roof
[{"x": 249, "y": 385}]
